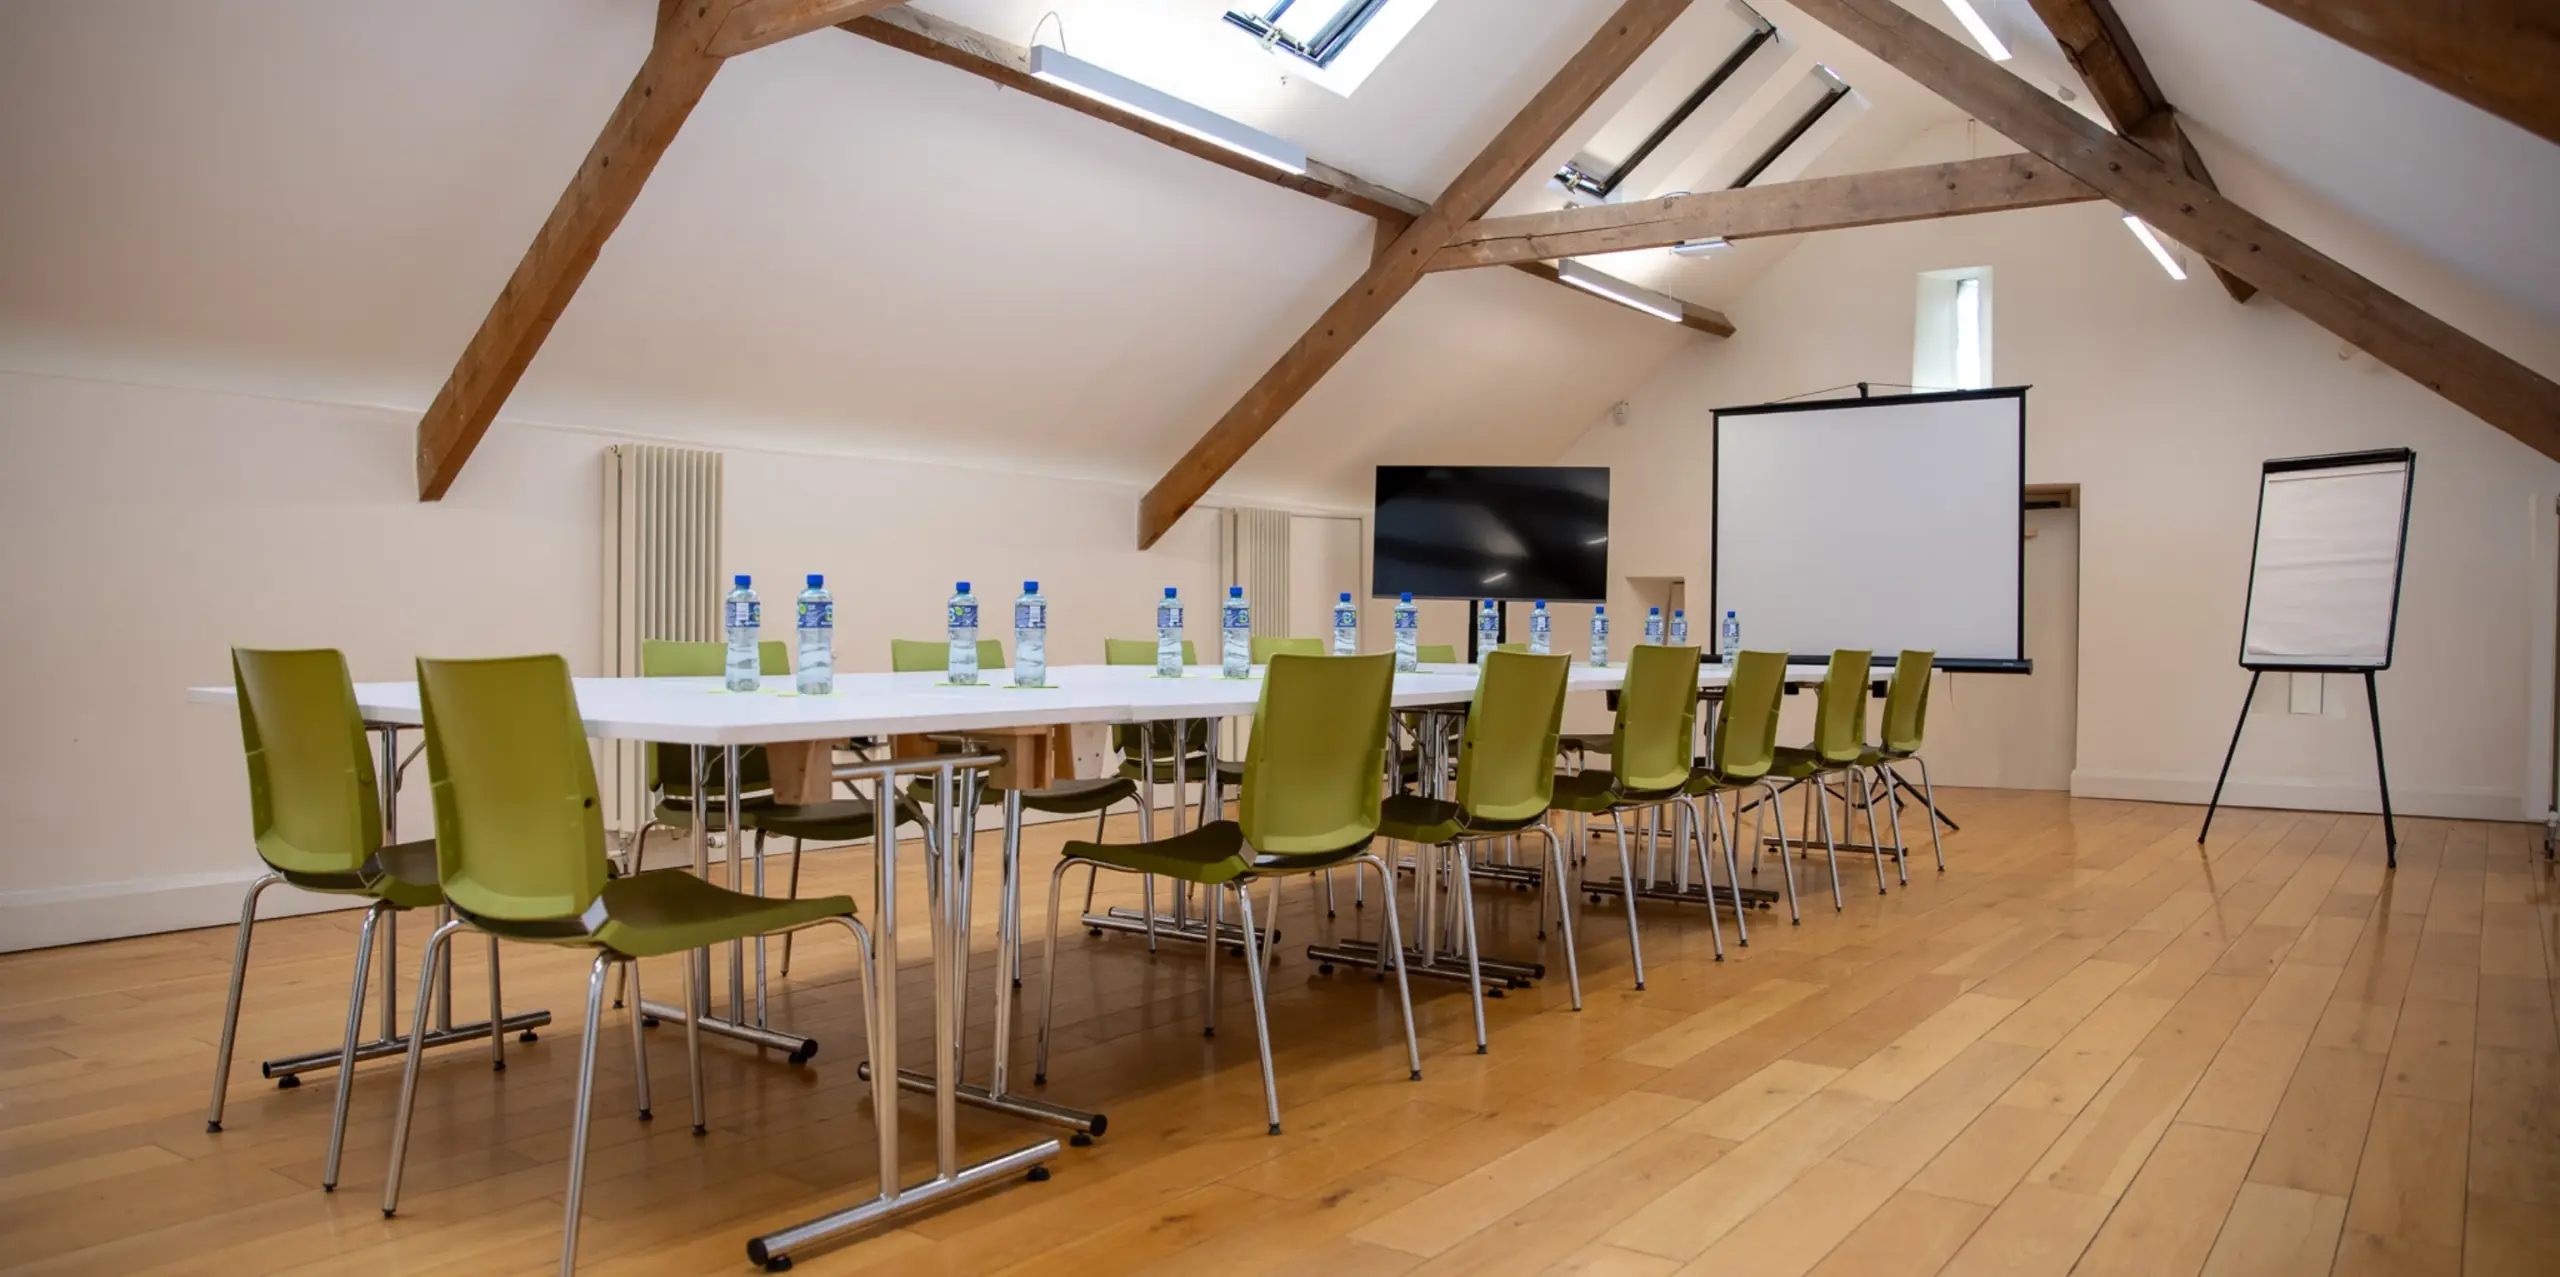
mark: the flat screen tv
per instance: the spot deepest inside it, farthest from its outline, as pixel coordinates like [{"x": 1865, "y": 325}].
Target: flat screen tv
[{"x": 1492, "y": 532}]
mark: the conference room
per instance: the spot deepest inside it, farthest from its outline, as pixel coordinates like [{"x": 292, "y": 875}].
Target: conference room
[{"x": 1400, "y": 636}]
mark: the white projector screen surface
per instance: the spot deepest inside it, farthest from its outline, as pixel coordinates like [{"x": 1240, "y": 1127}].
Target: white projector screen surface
[
  {"x": 2324, "y": 581},
  {"x": 1884, "y": 524}
]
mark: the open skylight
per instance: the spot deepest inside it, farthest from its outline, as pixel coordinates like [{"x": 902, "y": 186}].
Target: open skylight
[
  {"x": 1335, "y": 43},
  {"x": 1696, "y": 68}
]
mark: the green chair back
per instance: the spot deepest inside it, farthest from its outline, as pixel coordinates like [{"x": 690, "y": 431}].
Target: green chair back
[
  {"x": 1140, "y": 652},
  {"x": 926, "y": 656},
  {"x": 1906, "y": 702},
  {"x": 1747, "y": 721},
  {"x": 314, "y": 806},
  {"x": 671, "y": 766},
  {"x": 1511, "y": 647},
  {"x": 1840, "y": 712},
  {"x": 1657, "y": 719},
  {"x": 519, "y": 829},
  {"x": 1319, "y": 745},
  {"x": 1266, "y": 646},
  {"x": 1436, "y": 653},
  {"x": 1507, "y": 756}
]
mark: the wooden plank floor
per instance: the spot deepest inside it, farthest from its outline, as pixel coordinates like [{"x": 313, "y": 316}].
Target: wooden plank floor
[{"x": 2087, "y": 1047}]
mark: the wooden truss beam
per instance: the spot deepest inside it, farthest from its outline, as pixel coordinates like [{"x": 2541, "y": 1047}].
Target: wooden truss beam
[
  {"x": 1503, "y": 161},
  {"x": 2429, "y": 351},
  {"x": 1992, "y": 185},
  {"x": 2502, "y": 56}
]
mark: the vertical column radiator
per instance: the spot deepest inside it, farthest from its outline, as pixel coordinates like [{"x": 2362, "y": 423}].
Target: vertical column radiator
[
  {"x": 1253, "y": 551},
  {"x": 661, "y": 581}
]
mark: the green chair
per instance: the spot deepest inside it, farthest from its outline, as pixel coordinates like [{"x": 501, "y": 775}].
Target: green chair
[
  {"x": 315, "y": 811},
  {"x": 1839, "y": 742},
  {"x": 1746, "y": 748},
  {"x": 1165, "y": 742},
  {"x": 926, "y": 656},
  {"x": 670, "y": 767},
  {"x": 1906, "y": 714},
  {"x": 1267, "y": 646},
  {"x": 521, "y": 854},
  {"x": 1310, "y": 803},
  {"x": 1506, "y": 778},
  {"x": 1141, "y": 652},
  {"x": 1649, "y": 764},
  {"x": 1436, "y": 653}
]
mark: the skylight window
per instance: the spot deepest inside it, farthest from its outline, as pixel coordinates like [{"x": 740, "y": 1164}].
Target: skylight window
[
  {"x": 1657, "y": 111},
  {"x": 1316, "y": 30}
]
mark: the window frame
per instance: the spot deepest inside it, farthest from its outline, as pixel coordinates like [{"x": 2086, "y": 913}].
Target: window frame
[
  {"x": 1574, "y": 180},
  {"x": 1263, "y": 22}
]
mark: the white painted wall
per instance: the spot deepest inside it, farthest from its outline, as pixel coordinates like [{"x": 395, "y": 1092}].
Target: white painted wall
[
  {"x": 153, "y": 528},
  {"x": 2160, "y": 399}
]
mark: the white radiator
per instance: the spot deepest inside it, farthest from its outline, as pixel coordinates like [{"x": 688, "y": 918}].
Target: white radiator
[
  {"x": 1253, "y": 551},
  {"x": 661, "y": 581}
]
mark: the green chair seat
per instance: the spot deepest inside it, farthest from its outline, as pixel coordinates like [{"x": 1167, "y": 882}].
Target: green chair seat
[
  {"x": 1436, "y": 653},
  {"x": 1081, "y": 797},
  {"x": 1230, "y": 771},
  {"x": 1432, "y": 821},
  {"x": 669, "y": 911},
  {"x": 676, "y": 810},
  {"x": 404, "y": 875},
  {"x": 1211, "y": 854},
  {"x": 835, "y": 820},
  {"x": 1594, "y": 791}
]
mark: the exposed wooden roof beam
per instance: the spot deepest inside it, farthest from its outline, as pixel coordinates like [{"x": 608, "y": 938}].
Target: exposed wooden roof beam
[
  {"x": 2435, "y": 354},
  {"x": 1706, "y": 319},
  {"x": 2502, "y": 56},
  {"x": 757, "y": 23},
  {"x": 2094, "y": 38},
  {"x": 1991, "y": 185},
  {"x": 1503, "y": 161}
]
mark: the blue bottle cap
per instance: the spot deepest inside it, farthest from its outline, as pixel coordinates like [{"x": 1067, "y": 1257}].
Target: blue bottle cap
[
  {"x": 1031, "y": 587},
  {"x": 817, "y": 579},
  {"x": 1235, "y": 591},
  {"x": 1657, "y": 611},
  {"x": 1405, "y": 598},
  {"x": 1599, "y": 609},
  {"x": 1168, "y": 591},
  {"x": 739, "y": 580},
  {"x": 1346, "y": 596},
  {"x": 964, "y": 588},
  {"x": 1679, "y": 611},
  {"x": 1728, "y": 611},
  {"x": 1542, "y": 603}
]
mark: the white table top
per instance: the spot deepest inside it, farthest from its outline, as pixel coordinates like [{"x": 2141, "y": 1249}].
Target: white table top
[{"x": 699, "y": 711}]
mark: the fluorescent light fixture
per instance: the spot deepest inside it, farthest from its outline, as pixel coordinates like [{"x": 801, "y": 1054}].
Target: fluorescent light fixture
[
  {"x": 1708, "y": 247},
  {"x": 1658, "y": 305},
  {"x": 1053, "y": 65},
  {"x": 1977, "y": 28},
  {"x": 1497, "y": 578},
  {"x": 2159, "y": 251}
]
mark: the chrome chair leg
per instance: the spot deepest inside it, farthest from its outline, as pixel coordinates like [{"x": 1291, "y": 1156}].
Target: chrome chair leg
[
  {"x": 437, "y": 944},
  {"x": 1882, "y": 780},
  {"x": 1564, "y": 912},
  {"x": 1216, "y": 904},
  {"x": 497, "y": 1014},
  {"x": 585, "y": 1110},
  {"x": 1395, "y": 946},
  {"x": 1818, "y": 796},
  {"x": 231, "y": 1005},
  {"x": 791, "y": 889},
  {"x": 1776, "y": 808},
  {"x": 1681, "y": 811},
  {"x": 697, "y": 1000},
  {"x": 347, "y": 1053},
  {"x": 1466, "y": 893},
  {"x": 1857, "y": 778},
  {"x": 1627, "y": 875},
  {"x": 639, "y": 1039},
  {"x": 1728, "y": 830},
  {"x": 1253, "y": 981},
  {"x": 1929, "y": 796},
  {"x": 1049, "y": 969}
]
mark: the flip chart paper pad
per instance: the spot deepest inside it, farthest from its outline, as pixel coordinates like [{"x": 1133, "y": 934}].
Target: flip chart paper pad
[{"x": 2324, "y": 584}]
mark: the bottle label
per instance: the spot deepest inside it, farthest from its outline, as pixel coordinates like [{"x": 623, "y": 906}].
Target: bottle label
[
  {"x": 1239, "y": 616},
  {"x": 1030, "y": 616},
  {"x": 1539, "y": 624},
  {"x": 1408, "y": 621},
  {"x": 745, "y": 614},
  {"x": 1169, "y": 617},
  {"x": 1345, "y": 618},
  {"x": 964, "y": 616},
  {"x": 817, "y": 614}
]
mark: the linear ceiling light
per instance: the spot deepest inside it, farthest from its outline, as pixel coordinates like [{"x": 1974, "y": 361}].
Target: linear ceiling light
[
  {"x": 1977, "y": 28},
  {"x": 1658, "y": 305},
  {"x": 1708, "y": 247},
  {"x": 2159, "y": 251},
  {"x": 1056, "y": 67}
]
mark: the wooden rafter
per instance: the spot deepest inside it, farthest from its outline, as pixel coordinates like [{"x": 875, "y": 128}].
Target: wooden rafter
[
  {"x": 2435, "y": 354},
  {"x": 2502, "y": 56},
  {"x": 982, "y": 55},
  {"x": 2094, "y": 38},
  {"x": 1598, "y": 64},
  {"x": 693, "y": 38},
  {"x": 1992, "y": 185}
]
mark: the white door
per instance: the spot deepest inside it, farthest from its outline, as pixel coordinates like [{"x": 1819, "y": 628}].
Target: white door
[{"x": 2019, "y": 731}]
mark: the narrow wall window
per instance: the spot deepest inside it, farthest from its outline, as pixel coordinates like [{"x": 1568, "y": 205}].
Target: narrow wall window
[{"x": 1951, "y": 334}]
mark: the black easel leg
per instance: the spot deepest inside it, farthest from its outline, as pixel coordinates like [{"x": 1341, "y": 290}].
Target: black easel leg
[
  {"x": 2228, "y": 755},
  {"x": 2390, "y": 833},
  {"x": 1906, "y": 787}
]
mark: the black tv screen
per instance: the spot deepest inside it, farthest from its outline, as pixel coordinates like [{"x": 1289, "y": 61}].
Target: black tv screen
[{"x": 1492, "y": 532}]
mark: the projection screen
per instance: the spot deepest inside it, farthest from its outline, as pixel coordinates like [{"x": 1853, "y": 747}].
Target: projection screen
[{"x": 1885, "y": 523}]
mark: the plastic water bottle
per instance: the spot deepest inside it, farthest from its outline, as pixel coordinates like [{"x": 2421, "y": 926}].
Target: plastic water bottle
[
  {"x": 1488, "y": 629},
  {"x": 1030, "y": 637},
  {"x": 1236, "y": 633},
  {"x": 1600, "y": 636},
  {"x": 1408, "y": 634},
  {"x": 1541, "y": 629},
  {"x": 1346, "y": 627},
  {"x": 1169, "y": 635},
  {"x": 746, "y": 667},
  {"x": 1679, "y": 627},
  {"x": 962, "y": 671},
  {"x": 1732, "y": 642},
  {"x": 817, "y": 616},
  {"x": 1653, "y": 628}
]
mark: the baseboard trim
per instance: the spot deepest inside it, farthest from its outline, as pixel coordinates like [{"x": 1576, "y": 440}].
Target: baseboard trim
[
  {"x": 43, "y": 917},
  {"x": 2450, "y": 804}
]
